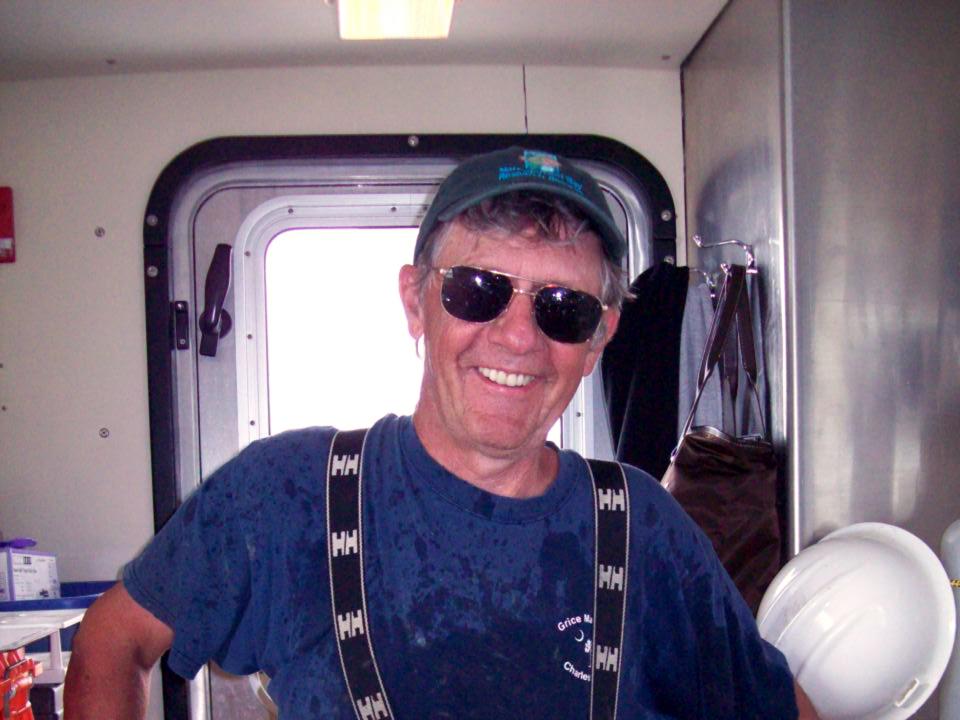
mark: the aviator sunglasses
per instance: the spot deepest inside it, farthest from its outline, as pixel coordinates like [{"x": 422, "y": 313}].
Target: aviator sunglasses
[{"x": 478, "y": 295}]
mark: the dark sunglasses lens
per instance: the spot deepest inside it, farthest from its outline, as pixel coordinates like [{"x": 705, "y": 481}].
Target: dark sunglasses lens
[
  {"x": 475, "y": 295},
  {"x": 567, "y": 316}
]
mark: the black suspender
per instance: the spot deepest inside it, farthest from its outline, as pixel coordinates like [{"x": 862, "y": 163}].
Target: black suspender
[
  {"x": 344, "y": 495},
  {"x": 345, "y": 558},
  {"x": 611, "y": 508}
]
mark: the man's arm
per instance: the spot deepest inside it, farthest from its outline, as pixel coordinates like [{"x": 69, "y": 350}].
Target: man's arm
[{"x": 117, "y": 645}]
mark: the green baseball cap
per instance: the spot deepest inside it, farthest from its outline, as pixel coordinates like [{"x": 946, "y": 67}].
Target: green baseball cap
[{"x": 503, "y": 171}]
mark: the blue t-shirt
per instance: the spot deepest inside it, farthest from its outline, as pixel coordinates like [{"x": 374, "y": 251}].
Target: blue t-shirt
[{"x": 479, "y": 605}]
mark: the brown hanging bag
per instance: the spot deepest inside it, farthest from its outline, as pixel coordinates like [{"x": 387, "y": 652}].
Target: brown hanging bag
[{"x": 729, "y": 483}]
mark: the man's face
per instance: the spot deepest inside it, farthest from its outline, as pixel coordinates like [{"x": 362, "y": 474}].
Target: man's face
[{"x": 465, "y": 405}]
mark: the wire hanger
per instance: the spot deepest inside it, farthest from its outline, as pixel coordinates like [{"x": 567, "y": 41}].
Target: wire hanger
[{"x": 747, "y": 250}]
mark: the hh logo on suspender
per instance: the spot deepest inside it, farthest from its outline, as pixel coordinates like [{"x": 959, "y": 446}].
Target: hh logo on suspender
[
  {"x": 612, "y": 499},
  {"x": 372, "y": 707},
  {"x": 350, "y": 624},
  {"x": 344, "y": 543},
  {"x": 611, "y": 577},
  {"x": 607, "y": 658},
  {"x": 345, "y": 465}
]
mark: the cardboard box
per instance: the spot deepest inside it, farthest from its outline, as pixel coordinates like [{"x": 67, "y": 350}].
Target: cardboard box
[{"x": 26, "y": 575}]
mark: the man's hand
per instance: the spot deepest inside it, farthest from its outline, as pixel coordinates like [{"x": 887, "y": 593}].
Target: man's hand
[
  {"x": 113, "y": 652},
  {"x": 807, "y": 711}
]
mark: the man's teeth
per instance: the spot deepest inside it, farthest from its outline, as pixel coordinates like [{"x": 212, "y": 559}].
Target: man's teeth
[{"x": 504, "y": 378}]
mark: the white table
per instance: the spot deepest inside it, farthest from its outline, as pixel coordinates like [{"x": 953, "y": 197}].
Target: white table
[{"x": 21, "y": 628}]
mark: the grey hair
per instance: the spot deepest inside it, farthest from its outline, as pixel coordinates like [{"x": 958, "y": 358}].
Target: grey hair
[{"x": 553, "y": 219}]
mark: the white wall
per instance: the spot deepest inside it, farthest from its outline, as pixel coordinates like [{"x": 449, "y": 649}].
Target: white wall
[{"x": 84, "y": 153}]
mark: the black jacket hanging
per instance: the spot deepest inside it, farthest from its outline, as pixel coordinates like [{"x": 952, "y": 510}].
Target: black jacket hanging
[{"x": 640, "y": 369}]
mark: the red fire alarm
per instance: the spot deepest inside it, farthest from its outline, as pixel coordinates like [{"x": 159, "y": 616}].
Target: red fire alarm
[{"x": 8, "y": 251}]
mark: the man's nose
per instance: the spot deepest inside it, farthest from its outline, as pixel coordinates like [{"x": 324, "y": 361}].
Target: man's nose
[{"x": 516, "y": 329}]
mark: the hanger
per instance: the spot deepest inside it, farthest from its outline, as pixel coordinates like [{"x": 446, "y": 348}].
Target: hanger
[
  {"x": 711, "y": 279},
  {"x": 751, "y": 263}
]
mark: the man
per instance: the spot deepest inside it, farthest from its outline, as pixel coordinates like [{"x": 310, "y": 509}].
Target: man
[{"x": 477, "y": 535}]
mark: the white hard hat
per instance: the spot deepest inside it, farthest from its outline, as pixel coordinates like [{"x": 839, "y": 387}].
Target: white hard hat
[{"x": 866, "y": 620}]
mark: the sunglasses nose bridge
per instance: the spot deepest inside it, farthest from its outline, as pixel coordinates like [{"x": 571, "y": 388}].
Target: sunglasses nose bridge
[
  {"x": 517, "y": 325},
  {"x": 532, "y": 293}
]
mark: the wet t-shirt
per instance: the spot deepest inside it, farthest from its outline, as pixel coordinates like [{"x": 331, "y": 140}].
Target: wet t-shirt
[{"x": 479, "y": 605}]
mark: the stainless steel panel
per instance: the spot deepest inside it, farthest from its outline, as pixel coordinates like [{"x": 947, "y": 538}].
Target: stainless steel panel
[
  {"x": 874, "y": 103},
  {"x": 861, "y": 343},
  {"x": 875, "y": 108},
  {"x": 862, "y": 273},
  {"x": 733, "y": 138}
]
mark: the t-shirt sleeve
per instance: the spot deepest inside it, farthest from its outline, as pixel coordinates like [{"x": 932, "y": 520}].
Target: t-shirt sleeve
[
  {"x": 700, "y": 636},
  {"x": 195, "y": 574},
  {"x": 740, "y": 674}
]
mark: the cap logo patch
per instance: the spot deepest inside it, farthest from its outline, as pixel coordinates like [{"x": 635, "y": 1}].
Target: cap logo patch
[
  {"x": 544, "y": 162},
  {"x": 539, "y": 165}
]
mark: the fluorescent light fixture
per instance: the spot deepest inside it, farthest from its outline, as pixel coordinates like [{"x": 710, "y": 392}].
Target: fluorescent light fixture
[{"x": 394, "y": 19}]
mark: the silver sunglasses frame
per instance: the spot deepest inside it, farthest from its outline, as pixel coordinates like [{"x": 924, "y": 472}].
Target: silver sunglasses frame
[{"x": 536, "y": 287}]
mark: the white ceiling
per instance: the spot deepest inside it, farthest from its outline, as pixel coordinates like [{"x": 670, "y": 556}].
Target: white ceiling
[{"x": 56, "y": 38}]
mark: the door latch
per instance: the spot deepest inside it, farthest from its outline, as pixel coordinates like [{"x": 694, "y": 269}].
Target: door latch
[{"x": 214, "y": 321}]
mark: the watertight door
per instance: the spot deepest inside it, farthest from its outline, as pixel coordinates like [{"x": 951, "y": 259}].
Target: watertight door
[{"x": 276, "y": 270}]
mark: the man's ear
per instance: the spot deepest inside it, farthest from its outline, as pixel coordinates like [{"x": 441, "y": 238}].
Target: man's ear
[
  {"x": 611, "y": 318},
  {"x": 410, "y": 297}
]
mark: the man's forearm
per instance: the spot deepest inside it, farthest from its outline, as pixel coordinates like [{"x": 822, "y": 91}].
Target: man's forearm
[{"x": 104, "y": 690}]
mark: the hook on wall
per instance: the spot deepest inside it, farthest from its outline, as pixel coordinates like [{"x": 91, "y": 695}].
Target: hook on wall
[{"x": 747, "y": 250}]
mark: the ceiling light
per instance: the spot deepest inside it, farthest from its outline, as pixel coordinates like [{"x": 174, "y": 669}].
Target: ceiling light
[{"x": 394, "y": 19}]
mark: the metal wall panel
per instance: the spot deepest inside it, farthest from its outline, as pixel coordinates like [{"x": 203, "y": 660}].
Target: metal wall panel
[
  {"x": 828, "y": 134},
  {"x": 874, "y": 222},
  {"x": 733, "y": 139},
  {"x": 852, "y": 112},
  {"x": 874, "y": 101}
]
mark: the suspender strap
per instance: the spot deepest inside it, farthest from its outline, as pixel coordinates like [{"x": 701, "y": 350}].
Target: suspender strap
[
  {"x": 345, "y": 559},
  {"x": 612, "y": 540}
]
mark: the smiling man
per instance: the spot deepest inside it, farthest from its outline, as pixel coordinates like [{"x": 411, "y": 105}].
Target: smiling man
[
  {"x": 492, "y": 389},
  {"x": 452, "y": 564}
]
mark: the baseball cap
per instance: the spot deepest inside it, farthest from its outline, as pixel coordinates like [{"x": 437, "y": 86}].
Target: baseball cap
[{"x": 502, "y": 171}]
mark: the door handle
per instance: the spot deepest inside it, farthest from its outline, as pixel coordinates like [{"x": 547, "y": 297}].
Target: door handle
[{"x": 214, "y": 321}]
